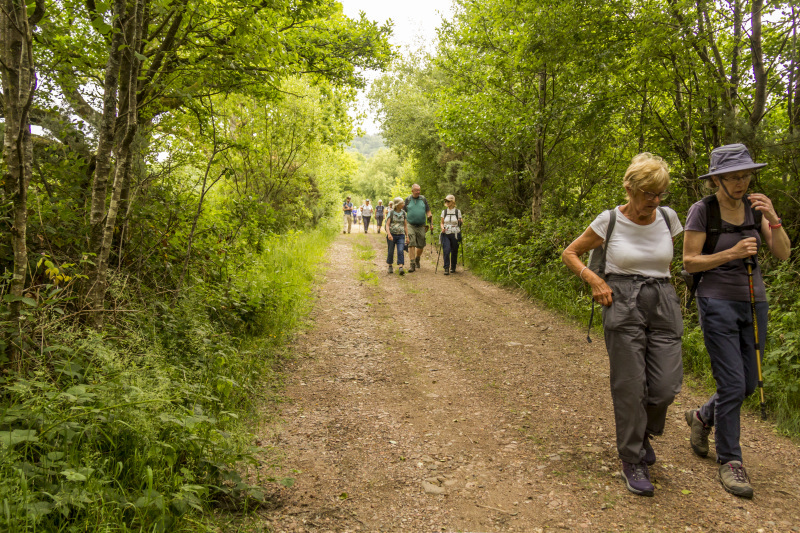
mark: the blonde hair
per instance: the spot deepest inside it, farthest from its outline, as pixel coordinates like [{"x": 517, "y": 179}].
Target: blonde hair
[{"x": 647, "y": 172}]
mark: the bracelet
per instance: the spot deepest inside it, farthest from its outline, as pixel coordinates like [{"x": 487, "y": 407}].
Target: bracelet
[
  {"x": 775, "y": 226},
  {"x": 581, "y": 273}
]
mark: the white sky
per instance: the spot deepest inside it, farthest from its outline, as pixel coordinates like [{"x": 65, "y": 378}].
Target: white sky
[{"x": 415, "y": 23}]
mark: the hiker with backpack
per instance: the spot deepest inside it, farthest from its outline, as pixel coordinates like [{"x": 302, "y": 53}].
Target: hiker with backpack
[
  {"x": 347, "y": 209},
  {"x": 379, "y": 209},
  {"x": 723, "y": 234},
  {"x": 642, "y": 318},
  {"x": 451, "y": 232},
  {"x": 366, "y": 214},
  {"x": 396, "y": 234},
  {"x": 419, "y": 217}
]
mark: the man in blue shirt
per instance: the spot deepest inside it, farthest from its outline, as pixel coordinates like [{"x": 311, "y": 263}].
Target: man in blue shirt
[
  {"x": 347, "y": 208},
  {"x": 418, "y": 214}
]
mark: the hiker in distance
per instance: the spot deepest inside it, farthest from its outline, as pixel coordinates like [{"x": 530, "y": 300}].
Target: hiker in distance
[
  {"x": 642, "y": 318},
  {"x": 379, "y": 210},
  {"x": 451, "y": 231},
  {"x": 396, "y": 234},
  {"x": 725, "y": 302},
  {"x": 366, "y": 215},
  {"x": 347, "y": 209},
  {"x": 419, "y": 213}
]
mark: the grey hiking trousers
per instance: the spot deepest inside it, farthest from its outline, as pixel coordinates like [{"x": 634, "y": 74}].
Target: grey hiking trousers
[{"x": 643, "y": 328}]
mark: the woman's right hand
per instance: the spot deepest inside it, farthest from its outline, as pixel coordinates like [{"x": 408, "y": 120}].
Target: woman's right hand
[
  {"x": 389, "y": 235},
  {"x": 601, "y": 292},
  {"x": 747, "y": 247}
]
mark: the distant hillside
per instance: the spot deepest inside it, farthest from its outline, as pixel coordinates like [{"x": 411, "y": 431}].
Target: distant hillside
[{"x": 366, "y": 145}]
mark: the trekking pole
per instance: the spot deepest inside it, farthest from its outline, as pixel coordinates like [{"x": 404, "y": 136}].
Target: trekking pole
[
  {"x": 438, "y": 253},
  {"x": 750, "y": 263},
  {"x": 463, "y": 259}
]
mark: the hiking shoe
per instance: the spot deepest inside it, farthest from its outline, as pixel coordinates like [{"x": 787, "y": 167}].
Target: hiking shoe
[
  {"x": 446, "y": 272},
  {"x": 453, "y": 270},
  {"x": 400, "y": 270},
  {"x": 416, "y": 262},
  {"x": 700, "y": 431},
  {"x": 391, "y": 270},
  {"x": 734, "y": 478},
  {"x": 412, "y": 267},
  {"x": 637, "y": 478},
  {"x": 649, "y": 452}
]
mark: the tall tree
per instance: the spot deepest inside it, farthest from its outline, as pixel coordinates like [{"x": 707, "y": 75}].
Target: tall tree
[{"x": 19, "y": 85}]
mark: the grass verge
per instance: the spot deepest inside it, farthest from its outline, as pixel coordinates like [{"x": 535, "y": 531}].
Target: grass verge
[{"x": 146, "y": 426}]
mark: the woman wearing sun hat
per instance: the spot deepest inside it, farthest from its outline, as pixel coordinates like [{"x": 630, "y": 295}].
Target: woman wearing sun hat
[
  {"x": 723, "y": 301},
  {"x": 451, "y": 227}
]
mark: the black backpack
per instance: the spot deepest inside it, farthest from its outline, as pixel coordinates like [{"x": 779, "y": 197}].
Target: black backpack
[{"x": 713, "y": 230}]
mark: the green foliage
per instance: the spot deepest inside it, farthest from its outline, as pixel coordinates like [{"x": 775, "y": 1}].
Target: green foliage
[
  {"x": 366, "y": 145},
  {"x": 146, "y": 425}
]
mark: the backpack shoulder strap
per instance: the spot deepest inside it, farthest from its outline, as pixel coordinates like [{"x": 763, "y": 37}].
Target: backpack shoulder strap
[
  {"x": 713, "y": 224},
  {"x": 612, "y": 221},
  {"x": 757, "y": 215},
  {"x": 665, "y": 214}
]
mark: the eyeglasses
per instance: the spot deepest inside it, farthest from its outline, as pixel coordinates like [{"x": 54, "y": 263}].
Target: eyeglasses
[
  {"x": 736, "y": 179},
  {"x": 653, "y": 195}
]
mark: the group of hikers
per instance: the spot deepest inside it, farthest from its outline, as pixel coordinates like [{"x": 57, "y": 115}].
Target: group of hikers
[
  {"x": 407, "y": 222},
  {"x": 362, "y": 215},
  {"x": 642, "y": 318}
]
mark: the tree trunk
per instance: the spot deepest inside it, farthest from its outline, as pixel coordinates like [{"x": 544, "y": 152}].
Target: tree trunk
[
  {"x": 127, "y": 125},
  {"x": 759, "y": 73},
  {"x": 19, "y": 84},
  {"x": 538, "y": 174}
]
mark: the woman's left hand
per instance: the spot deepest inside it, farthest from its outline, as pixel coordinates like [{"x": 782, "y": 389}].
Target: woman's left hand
[{"x": 762, "y": 203}]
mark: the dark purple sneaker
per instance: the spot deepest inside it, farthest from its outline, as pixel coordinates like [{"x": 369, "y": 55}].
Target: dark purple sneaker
[
  {"x": 649, "y": 452},
  {"x": 637, "y": 478}
]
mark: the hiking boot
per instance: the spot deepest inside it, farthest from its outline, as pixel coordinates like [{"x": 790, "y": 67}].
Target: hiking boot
[
  {"x": 453, "y": 270},
  {"x": 391, "y": 270},
  {"x": 416, "y": 262},
  {"x": 734, "y": 478},
  {"x": 649, "y": 452},
  {"x": 412, "y": 267},
  {"x": 637, "y": 478},
  {"x": 700, "y": 431},
  {"x": 446, "y": 272},
  {"x": 400, "y": 270}
]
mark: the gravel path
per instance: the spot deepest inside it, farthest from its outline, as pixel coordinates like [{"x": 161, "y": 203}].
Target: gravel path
[{"x": 433, "y": 403}]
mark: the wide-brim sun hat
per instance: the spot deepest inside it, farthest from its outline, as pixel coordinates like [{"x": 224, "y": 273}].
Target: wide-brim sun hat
[
  {"x": 731, "y": 158},
  {"x": 399, "y": 200}
]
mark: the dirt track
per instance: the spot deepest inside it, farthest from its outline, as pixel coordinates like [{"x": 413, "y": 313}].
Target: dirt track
[{"x": 432, "y": 403}]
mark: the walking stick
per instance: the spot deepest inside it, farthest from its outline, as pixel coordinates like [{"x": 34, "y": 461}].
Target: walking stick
[
  {"x": 438, "y": 253},
  {"x": 750, "y": 262},
  {"x": 463, "y": 260}
]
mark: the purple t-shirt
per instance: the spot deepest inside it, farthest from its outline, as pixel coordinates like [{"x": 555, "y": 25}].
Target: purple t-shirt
[{"x": 729, "y": 280}]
